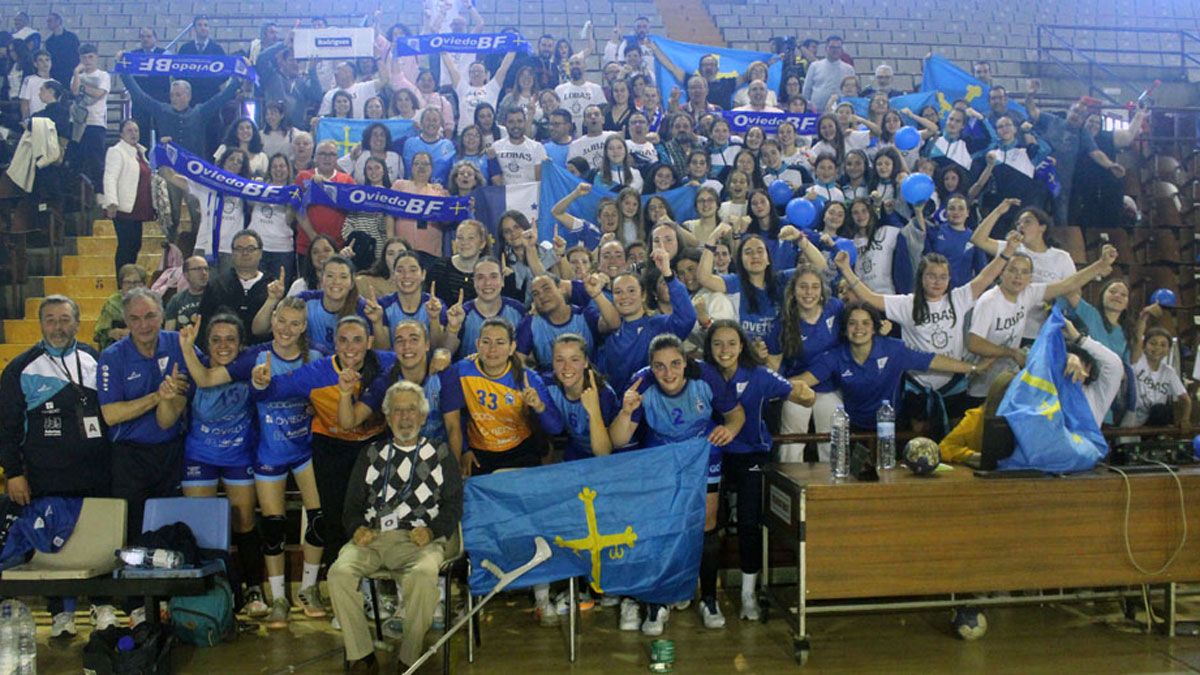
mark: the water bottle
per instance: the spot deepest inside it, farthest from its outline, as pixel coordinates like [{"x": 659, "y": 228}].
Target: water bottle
[
  {"x": 885, "y": 432},
  {"x": 18, "y": 639},
  {"x": 158, "y": 558},
  {"x": 839, "y": 447}
]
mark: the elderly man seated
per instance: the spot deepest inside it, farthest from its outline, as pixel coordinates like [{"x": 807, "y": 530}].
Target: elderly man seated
[{"x": 403, "y": 503}]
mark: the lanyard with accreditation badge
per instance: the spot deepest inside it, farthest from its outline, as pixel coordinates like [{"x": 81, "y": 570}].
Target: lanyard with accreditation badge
[{"x": 89, "y": 424}]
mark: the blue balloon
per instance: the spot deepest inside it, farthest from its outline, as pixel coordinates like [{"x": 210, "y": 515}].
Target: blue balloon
[
  {"x": 848, "y": 246},
  {"x": 819, "y": 202},
  {"x": 780, "y": 192},
  {"x": 801, "y": 212},
  {"x": 1164, "y": 297},
  {"x": 907, "y": 138},
  {"x": 916, "y": 188}
]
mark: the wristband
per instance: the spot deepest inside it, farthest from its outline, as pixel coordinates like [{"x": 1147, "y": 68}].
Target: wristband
[
  {"x": 711, "y": 247},
  {"x": 1005, "y": 258}
]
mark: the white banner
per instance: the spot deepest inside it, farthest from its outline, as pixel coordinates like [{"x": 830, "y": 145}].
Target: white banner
[{"x": 334, "y": 43}]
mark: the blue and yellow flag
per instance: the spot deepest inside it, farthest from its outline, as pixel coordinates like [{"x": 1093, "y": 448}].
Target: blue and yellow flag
[
  {"x": 631, "y": 523},
  {"x": 348, "y": 132},
  {"x": 1048, "y": 413},
  {"x": 948, "y": 83},
  {"x": 686, "y": 55}
]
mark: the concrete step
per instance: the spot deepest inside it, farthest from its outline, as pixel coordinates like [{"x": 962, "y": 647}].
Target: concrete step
[
  {"x": 29, "y": 331},
  {"x": 79, "y": 287},
  {"x": 89, "y": 308},
  {"x": 96, "y": 245},
  {"x": 88, "y": 265},
  {"x": 104, "y": 228}
]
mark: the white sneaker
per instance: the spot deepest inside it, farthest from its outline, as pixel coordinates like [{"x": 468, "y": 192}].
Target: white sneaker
[
  {"x": 610, "y": 600},
  {"x": 682, "y": 605},
  {"x": 64, "y": 624},
  {"x": 562, "y": 604},
  {"x": 310, "y": 601},
  {"x": 256, "y": 606},
  {"x": 629, "y": 613},
  {"x": 545, "y": 612},
  {"x": 710, "y": 612},
  {"x": 656, "y": 620},
  {"x": 103, "y": 616},
  {"x": 137, "y": 617},
  {"x": 750, "y": 609}
]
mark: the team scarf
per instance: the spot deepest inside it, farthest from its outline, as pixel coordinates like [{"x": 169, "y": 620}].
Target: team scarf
[
  {"x": 741, "y": 120},
  {"x": 223, "y": 183},
  {"x": 465, "y": 43},
  {"x": 371, "y": 199},
  {"x": 185, "y": 65}
]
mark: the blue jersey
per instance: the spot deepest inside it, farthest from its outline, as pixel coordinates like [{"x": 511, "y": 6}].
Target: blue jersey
[
  {"x": 468, "y": 335},
  {"x": 322, "y": 323},
  {"x": 686, "y": 415},
  {"x": 536, "y": 334},
  {"x": 575, "y": 417},
  {"x": 393, "y": 313},
  {"x": 865, "y": 385},
  {"x": 818, "y": 337},
  {"x": 126, "y": 375},
  {"x": 965, "y": 259},
  {"x": 221, "y": 430},
  {"x": 753, "y": 388},
  {"x": 442, "y": 151},
  {"x": 628, "y": 348},
  {"x": 763, "y": 323},
  {"x": 285, "y": 425}
]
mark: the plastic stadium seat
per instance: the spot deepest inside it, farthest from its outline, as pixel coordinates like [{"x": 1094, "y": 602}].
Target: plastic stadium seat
[
  {"x": 1162, "y": 246},
  {"x": 208, "y": 517},
  {"x": 1096, "y": 238},
  {"x": 99, "y": 531}
]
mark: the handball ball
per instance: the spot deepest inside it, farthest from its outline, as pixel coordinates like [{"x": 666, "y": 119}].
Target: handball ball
[
  {"x": 969, "y": 623},
  {"x": 921, "y": 455}
]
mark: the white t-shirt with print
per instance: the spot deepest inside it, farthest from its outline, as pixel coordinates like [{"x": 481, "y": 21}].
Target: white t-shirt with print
[
  {"x": 942, "y": 333},
  {"x": 1002, "y": 323}
]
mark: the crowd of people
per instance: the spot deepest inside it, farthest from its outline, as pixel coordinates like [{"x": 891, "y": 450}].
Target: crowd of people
[{"x": 382, "y": 360}]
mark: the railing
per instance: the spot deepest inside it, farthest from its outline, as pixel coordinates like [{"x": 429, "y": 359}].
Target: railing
[
  {"x": 1109, "y": 432},
  {"x": 1054, "y": 47}
]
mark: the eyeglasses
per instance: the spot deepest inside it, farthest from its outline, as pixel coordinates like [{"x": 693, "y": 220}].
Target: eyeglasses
[
  {"x": 244, "y": 250},
  {"x": 327, "y": 154}
]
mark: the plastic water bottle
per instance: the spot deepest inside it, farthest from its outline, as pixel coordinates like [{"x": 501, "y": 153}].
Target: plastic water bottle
[
  {"x": 158, "y": 558},
  {"x": 839, "y": 447},
  {"x": 885, "y": 432},
  {"x": 18, "y": 639}
]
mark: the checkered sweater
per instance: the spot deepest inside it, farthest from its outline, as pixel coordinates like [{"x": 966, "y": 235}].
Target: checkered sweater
[{"x": 420, "y": 484}]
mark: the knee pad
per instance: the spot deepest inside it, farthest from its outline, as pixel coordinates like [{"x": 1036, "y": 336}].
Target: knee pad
[
  {"x": 274, "y": 535},
  {"x": 313, "y": 535}
]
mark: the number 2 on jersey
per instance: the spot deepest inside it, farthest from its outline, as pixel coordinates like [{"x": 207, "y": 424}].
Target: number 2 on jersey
[{"x": 676, "y": 416}]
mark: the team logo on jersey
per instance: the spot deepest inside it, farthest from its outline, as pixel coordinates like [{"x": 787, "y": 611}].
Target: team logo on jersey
[
  {"x": 162, "y": 364},
  {"x": 881, "y": 362},
  {"x": 701, "y": 407},
  {"x": 135, "y": 375},
  {"x": 829, "y": 323},
  {"x": 741, "y": 387},
  {"x": 940, "y": 339},
  {"x": 847, "y": 373},
  {"x": 49, "y": 405},
  {"x": 508, "y": 398}
]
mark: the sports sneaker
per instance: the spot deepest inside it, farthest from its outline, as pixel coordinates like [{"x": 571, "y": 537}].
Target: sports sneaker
[
  {"x": 393, "y": 627},
  {"x": 256, "y": 606},
  {"x": 103, "y": 616},
  {"x": 546, "y": 614},
  {"x": 562, "y": 604},
  {"x": 137, "y": 617},
  {"x": 656, "y": 619},
  {"x": 586, "y": 601},
  {"x": 610, "y": 600},
  {"x": 64, "y": 624},
  {"x": 629, "y": 614},
  {"x": 710, "y": 612},
  {"x": 310, "y": 602},
  {"x": 278, "y": 618},
  {"x": 750, "y": 609},
  {"x": 682, "y": 605}
]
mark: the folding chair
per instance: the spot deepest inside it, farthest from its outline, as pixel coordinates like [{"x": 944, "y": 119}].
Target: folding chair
[
  {"x": 88, "y": 553},
  {"x": 208, "y": 518}
]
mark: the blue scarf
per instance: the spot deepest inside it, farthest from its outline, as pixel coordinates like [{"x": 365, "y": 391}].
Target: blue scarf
[
  {"x": 370, "y": 199},
  {"x": 190, "y": 65},
  {"x": 223, "y": 183},
  {"x": 741, "y": 120},
  {"x": 465, "y": 43}
]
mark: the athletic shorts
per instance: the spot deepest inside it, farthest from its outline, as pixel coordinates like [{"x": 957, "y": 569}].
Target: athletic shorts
[
  {"x": 200, "y": 474},
  {"x": 714, "y": 468},
  {"x": 270, "y": 473}
]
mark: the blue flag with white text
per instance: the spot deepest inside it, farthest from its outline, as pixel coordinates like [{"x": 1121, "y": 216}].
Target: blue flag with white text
[
  {"x": 468, "y": 43},
  {"x": 632, "y": 522},
  {"x": 686, "y": 56},
  {"x": 347, "y": 133},
  {"x": 1048, "y": 412},
  {"x": 371, "y": 199},
  {"x": 185, "y": 65}
]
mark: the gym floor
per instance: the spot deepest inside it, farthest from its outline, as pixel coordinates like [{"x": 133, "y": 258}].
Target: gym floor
[{"x": 1054, "y": 639}]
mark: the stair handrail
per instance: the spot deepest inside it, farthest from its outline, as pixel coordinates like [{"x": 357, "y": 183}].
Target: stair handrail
[{"x": 1045, "y": 52}]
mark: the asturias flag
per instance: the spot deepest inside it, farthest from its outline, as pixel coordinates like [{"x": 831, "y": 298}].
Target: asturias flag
[
  {"x": 686, "y": 56},
  {"x": 1048, "y": 413},
  {"x": 348, "y": 132},
  {"x": 632, "y": 523},
  {"x": 949, "y": 83}
]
